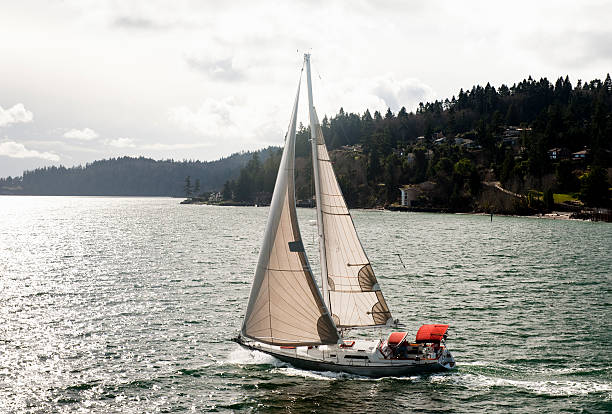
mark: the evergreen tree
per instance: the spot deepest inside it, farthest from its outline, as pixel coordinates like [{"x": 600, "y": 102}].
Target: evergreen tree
[
  {"x": 549, "y": 201},
  {"x": 227, "y": 190},
  {"x": 187, "y": 188},
  {"x": 595, "y": 187}
]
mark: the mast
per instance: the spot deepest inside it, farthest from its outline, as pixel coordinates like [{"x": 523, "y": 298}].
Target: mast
[{"x": 315, "y": 165}]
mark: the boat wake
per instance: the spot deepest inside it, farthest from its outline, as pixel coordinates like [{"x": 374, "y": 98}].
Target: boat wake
[
  {"x": 553, "y": 388},
  {"x": 243, "y": 356},
  {"x": 291, "y": 371}
]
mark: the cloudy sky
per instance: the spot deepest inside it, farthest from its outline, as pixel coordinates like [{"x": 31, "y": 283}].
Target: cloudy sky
[{"x": 82, "y": 80}]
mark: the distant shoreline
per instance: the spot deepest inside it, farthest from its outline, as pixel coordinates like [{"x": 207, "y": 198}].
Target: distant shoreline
[{"x": 553, "y": 215}]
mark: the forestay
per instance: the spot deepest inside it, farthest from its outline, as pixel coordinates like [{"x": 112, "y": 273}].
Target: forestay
[
  {"x": 285, "y": 306},
  {"x": 355, "y": 299}
]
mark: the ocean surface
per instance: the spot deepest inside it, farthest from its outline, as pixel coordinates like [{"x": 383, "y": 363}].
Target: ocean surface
[{"x": 128, "y": 305}]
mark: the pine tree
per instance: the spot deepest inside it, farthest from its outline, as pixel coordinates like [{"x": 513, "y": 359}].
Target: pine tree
[
  {"x": 227, "y": 190},
  {"x": 188, "y": 190},
  {"x": 549, "y": 201}
]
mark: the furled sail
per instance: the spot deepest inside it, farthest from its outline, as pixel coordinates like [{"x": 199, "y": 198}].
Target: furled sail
[
  {"x": 355, "y": 299},
  {"x": 285, "y": 306}
]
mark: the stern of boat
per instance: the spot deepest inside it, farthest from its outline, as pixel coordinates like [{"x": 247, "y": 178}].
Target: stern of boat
[{"x": 446, "y": 360}]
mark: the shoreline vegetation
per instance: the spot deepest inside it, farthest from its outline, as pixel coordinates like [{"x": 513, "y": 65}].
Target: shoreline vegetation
[{"x": 564, "y": 214}]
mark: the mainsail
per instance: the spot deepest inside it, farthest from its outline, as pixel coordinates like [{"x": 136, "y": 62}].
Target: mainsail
[
  {"x": 285, "y": 306},
  {"x": 350, "y": 287}
]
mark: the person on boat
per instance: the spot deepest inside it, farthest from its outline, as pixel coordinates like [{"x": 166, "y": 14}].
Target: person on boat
[
  {"x": 436, "y": 349},
  {"x": 402, "y": 350}
]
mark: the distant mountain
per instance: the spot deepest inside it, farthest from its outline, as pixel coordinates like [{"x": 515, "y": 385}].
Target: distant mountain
[{"x": 128, "y": 176}]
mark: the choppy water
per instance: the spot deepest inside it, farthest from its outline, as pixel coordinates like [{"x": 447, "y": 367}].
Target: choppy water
[{"x": 127, "y": 305}]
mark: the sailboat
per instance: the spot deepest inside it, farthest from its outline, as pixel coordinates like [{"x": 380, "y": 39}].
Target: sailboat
[{"x": 290, "y": 318}]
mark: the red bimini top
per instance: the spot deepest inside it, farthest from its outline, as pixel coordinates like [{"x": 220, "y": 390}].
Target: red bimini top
[
  {"x": 396, "y": 338},
  {"x": 431, "y": 333}
]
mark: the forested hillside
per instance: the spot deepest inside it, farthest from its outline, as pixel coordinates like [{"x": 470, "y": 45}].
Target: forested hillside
[
  {"x": 542, "y": 142},
  {"x": 535, "y": 137},
  {"x": 127, "y": 176}
]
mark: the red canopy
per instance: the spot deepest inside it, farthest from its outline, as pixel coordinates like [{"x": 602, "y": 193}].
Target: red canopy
[
  {"x": 431, "y": 333},
  {"x": 396, "y": 338}
]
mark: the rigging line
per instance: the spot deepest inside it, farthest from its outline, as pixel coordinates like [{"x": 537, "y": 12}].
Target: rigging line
[{"x": 400, "y": 259}]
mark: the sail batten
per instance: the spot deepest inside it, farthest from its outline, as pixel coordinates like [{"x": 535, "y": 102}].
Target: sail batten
[{"x": 285, "y": 306}]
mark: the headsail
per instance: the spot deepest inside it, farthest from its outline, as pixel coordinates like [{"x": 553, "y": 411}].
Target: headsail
[
  {"x": 285, "y": 306},
  {"x": 355, "y": 299}
]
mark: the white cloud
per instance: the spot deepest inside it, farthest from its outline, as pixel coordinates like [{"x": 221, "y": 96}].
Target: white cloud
[
  {"x": 14, "y": 149},
  {"x": 85, "y": 134},
  {"x": 16, "y": 114},
  {"x": 235, "y": 120},
  {"x": 158, "y": 146},
  {"x": 121, "y": 143},
  {"x": 220, "y": 69},
  {"x": 408, "y": 92},
  {"x": 213, "y": 117}
]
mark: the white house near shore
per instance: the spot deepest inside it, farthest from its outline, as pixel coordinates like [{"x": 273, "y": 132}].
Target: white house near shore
[{"x": 408, "y": 195}]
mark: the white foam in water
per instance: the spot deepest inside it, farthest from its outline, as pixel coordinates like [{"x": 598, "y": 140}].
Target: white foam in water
[
  {"x": 250, "y": 357},
  {"x": 332, "y": 376},
  {"x": 243, "y": 356},
  {"x": 325, "y": 376},
  {"x": 475, "y": 363},
  {"x": 550, "y": 387},
  {"x": 569, "y": 371}
]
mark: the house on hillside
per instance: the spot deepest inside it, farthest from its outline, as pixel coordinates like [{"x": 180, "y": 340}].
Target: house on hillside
[
  {"x": 581, "y": 155},
  {"x": 352, "y": 148},
  {"x": 440, "y": 141},
  {"x": 511, "y": 140},
  {"x": 512, "y": 135},
  {"x": 467, "y": 143},
  {"x": 557, "y": 154}
]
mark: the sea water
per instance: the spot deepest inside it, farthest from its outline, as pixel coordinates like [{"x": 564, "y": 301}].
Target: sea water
[{"x": 129, "y": 305}]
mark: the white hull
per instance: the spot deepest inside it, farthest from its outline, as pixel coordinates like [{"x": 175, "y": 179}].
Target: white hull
[{"x": 363, "y": 358}]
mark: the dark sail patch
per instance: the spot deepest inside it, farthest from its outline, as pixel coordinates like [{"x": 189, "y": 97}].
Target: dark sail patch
[
  {"x": 296, "y": 246},
  {"x": 366, "y": 278}
]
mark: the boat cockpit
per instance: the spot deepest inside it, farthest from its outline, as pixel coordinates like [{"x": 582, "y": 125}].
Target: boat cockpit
[{"x": 429, "y": 344}]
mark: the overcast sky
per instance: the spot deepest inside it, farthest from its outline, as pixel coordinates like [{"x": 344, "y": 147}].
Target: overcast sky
[{"x": 84, "y": 80}]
